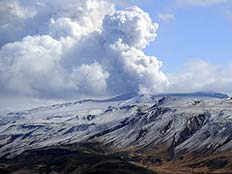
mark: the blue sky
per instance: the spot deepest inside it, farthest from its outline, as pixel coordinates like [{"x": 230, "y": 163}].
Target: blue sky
[{"x": 195, "y": 32}]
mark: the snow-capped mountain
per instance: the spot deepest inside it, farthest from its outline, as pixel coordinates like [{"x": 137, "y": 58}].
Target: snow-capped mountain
[{"x": 182, "y": 124}]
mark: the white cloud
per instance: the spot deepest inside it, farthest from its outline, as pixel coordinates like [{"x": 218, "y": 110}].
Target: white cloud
[
  {"x": 87, "y": 48},
  {"x": 31, "y": 65},
  {"x": 90, "y": 79},
  {"x": 11, "y": 11},
  {"x": 80, "y": 48},
  {"x": 125, "y": 34},
  {"x": 63, "y": 27},
  {"x": 133, "y": 26},
  {"x": 166, "y": 17},
  {"x": 12, "y": 17},
  {"x": 87, "y": 13},
  {"x": 36, "y": 17},
  {"x": 34, "y": 67},
  {"x": 202, "y": 76},
  {"x": 138, "y": 72}
]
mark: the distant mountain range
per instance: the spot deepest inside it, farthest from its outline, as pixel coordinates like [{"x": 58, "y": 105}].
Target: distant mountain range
[{"x": 167, "y": 133}]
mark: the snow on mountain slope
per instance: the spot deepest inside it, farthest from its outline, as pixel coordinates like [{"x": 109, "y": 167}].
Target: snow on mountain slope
[{"x": 140, "y": 122}]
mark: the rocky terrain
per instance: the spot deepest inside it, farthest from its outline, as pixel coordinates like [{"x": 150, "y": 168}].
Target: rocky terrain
[{"x": 189, "y": 133}]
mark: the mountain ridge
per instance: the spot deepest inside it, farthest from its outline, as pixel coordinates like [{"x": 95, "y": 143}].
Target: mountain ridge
[
  {"x": 127, "y": 96},
  {"x": 148, "y": 129}
]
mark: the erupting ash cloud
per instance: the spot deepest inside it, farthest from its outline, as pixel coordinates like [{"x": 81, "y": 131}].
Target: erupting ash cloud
[{"x": 78, "y": 48}]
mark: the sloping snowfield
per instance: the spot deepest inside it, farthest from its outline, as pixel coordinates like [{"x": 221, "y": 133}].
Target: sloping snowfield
[{"x": 188, "y": 124}]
